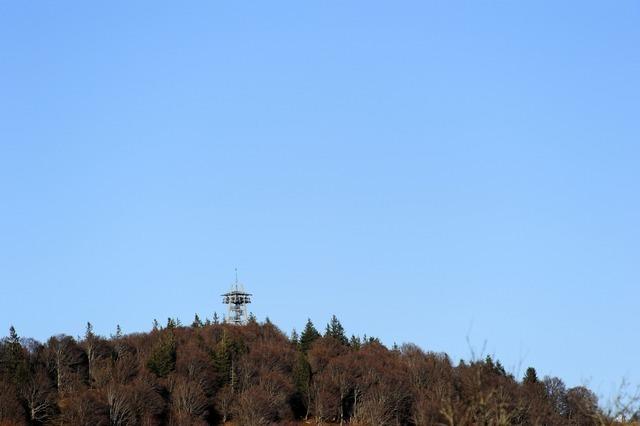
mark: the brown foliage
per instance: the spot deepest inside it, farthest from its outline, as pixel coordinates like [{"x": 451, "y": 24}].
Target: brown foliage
[{"x": 253, "y": 375}]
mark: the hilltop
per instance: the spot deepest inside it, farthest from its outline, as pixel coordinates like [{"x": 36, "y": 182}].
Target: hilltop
[{"x": 254, "y": 374}]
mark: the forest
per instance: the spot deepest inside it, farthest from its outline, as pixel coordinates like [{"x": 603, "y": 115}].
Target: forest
[{"x": 211, "y": 373}]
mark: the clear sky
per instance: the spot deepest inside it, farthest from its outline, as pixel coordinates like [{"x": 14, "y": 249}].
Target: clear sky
[{"x": 430, "y": 171}]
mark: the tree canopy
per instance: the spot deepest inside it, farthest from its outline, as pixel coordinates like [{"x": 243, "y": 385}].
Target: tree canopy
[{"x": 210, "y": 373}]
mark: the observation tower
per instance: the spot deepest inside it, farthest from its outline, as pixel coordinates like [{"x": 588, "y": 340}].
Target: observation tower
[{"x": 237, "y": 299}]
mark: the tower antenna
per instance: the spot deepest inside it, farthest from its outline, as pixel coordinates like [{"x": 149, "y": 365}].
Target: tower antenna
[{"x": 237, "y": 299}]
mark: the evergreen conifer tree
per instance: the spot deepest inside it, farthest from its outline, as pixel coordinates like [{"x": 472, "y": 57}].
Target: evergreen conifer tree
[
  {"x": 489, "y": 362},
  {"x": 224, "y": 359},
  {"x": 16, "y": 362},
  {"x": 366, "y": 340},
  {"x": 355, "y": 342},
  {"x": 171, "y": 323},
  {"x": 163, "y": 356},
  {"x": 216, "y": 320},
  {"x": 13, "y": 338},
  {"x": 295, "y": 338},
  {"x": 302, "y": 381},
  {"x": 530, "y": 376},
  {"x": 14, "y": 348},
  {"x": 88, "y": 334},
  {"x": 197, "y": 323},
  {"x": 308, "y": 336},
  {"x": 334, "y": 329}
]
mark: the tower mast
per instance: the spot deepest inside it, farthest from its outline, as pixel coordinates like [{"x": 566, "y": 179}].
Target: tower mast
[{"x": 237, "y": 299}]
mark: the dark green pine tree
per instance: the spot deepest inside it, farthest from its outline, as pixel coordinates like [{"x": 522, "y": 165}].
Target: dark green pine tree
[
  {"x": 336, "y": 330},
  {"x": 163, "y": 356},
  {"x": 308, "y": 336},
  {"x": 295, "y": 338},
  {"x": 224, "y": 359},
  {"x": 13, "y": 361},
  {"x": 197, "y": 323},
  {"x": 488, "y": 362},
  {"x": 216, "y": 320},
  {"x": 366, "y": 340},
  {"x": 88, "y": 334},
  {"x": 530, "y": 376},
  {"x": 355, "y": 342},
  {"x": 496, "y": 367},
  {"x": 171, "y": 323},
  {"x": 302, "y": 381},
  {"x": 302, "y": 373}
]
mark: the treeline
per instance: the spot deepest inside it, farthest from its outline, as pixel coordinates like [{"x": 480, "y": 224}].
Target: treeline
[{"x": 212, "y": 373}]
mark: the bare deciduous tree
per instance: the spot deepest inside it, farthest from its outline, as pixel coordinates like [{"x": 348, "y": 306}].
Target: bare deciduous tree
[{"x": 38, "y": 394}]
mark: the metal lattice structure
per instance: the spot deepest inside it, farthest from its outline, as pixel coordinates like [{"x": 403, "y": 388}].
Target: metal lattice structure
[{"x": 237, "y": 299}]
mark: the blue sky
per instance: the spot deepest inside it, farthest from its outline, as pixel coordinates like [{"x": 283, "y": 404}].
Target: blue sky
[{"x": 430, "y": 172}]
